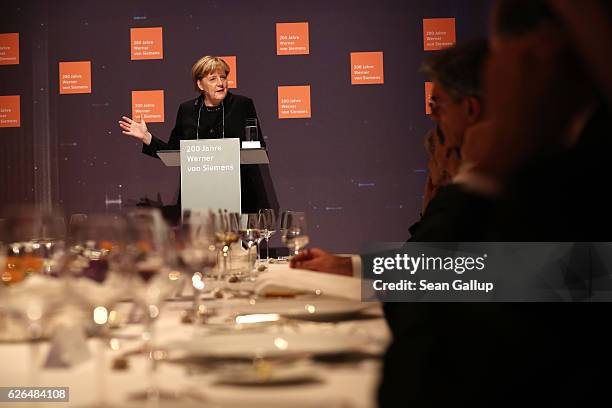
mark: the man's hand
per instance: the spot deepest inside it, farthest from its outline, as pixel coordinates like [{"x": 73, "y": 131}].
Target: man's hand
[
  {"x": 136, "y": 129},
  {"x": 318, "y": 260}
]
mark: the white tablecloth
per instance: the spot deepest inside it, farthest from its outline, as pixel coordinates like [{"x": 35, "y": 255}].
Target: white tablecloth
[{"x": 343, "y": 385}]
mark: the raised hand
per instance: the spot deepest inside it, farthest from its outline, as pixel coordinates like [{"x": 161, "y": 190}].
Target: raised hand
[{"x": 135, "y": 129}]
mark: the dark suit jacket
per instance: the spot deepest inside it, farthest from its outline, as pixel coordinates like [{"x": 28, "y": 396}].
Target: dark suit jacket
[
  {"x": 510, "y": 354},
  {"x": 257, "y": 190}
]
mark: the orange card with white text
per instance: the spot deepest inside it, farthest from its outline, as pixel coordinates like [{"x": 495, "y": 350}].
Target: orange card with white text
[
  {"x": 367, "y": 68},
  {"x": 9, "y": 49},
  {"x": 75, "y": 77},
  {"x": 292, "y": 39},
  {"x": 10, "y": 111},
  {"x": 147, "y": 43},
  {"x": 439, "y": 33},
  {"x": 232, "y": 78},
  {"x": 428, "y": 89},
  {"x": 149, "y": 105},
  {"x": 293, "y": 102}
]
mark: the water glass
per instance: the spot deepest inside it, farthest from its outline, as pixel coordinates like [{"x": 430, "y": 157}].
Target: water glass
[
  {"x": 251, "y": 133},
  {"x": 250, "y": 233},
  {"x": 295, "y": 231},
  {"x": 267, "y": 219}
]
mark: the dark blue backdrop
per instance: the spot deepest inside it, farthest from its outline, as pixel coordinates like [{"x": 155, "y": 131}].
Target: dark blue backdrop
[{"x": 357, "y": 166}]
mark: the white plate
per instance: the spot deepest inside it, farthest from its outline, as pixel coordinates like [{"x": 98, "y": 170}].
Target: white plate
[
  {"x": 269, "y": 345},
  {"x": 310, "y": 309},
  {"x": 324, "y": 310},
  {"x": 268, "y": 374}
]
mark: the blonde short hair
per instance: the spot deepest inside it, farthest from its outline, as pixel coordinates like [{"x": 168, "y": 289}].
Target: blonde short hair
[{"x": 205, "y": 66}]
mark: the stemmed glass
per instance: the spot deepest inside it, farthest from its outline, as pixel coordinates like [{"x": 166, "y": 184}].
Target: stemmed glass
[
  {"x": 2, "y": 258},
  {"x": 283, "y": 229},
  {"x": 295, "y": 231},
  {"x": 250, "y": 233},
  {"x": 155, "y": 276},
  {"x": 195, "y": 241},
  {"x": 267, "y": 220},
  {"x": 35, "y": 247},
  {"x": 96, "y": 270},
  {"x": 75, "y": 221},
  {"x": 50, "y": 244},
  {"x": 226, "y": 233}
]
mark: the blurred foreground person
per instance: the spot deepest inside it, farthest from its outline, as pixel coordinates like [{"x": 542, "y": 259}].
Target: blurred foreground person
[
  {"x": 588, "y": 22},
  {"x": 528, "y": 174},
  {"x": 456, "y": 106}
]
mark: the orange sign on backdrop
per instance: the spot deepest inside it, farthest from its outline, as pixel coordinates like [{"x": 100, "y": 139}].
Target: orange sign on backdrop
[
  {"x": 147, "y": 43},
  {"x": 367, "y": 68},
  {"x": 428, "y": 89},
  {"x": 9, "y": 49},
  {"x": 148, "y": 105},
  {"x": 293, "y": 102},
  {"x": 232, "y": 78},
  {"x": 10, "y": 111},
  {"x": 439, "y": 33},
  {"x": 292, "y": 39},
  {"x": 75, "y": 77}
]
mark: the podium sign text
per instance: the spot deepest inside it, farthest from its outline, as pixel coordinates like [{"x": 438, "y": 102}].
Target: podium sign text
[{"x": 210, "y": 174}]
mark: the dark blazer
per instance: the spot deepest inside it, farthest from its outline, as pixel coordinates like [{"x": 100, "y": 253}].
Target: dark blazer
[
  {"x": 510, "y": 354},
  {"x": 257, "y": 189}
]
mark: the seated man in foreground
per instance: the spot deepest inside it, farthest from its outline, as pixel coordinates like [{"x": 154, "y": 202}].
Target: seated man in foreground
[
  {"x": 456, "y": 106},
  {"x": 529, "y": 176}
]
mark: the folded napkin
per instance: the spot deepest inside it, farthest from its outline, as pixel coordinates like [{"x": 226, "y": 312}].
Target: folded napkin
[{"x": 282, "y": 280}]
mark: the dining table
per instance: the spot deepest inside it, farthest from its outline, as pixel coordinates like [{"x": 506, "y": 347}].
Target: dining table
[{"x": 246, "y": 348}]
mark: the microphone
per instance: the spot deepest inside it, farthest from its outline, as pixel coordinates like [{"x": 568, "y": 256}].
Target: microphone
[
  {"x": 197, "y": 102},
  {"x": 200, "y": 101}
]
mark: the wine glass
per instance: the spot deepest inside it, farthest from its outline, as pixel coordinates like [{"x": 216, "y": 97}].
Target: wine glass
[
  {"x": 267, "y": 219},
  {"x": 283, "y": 229},
  {"x": 250, "y": 233},
  {"x": 51, "y": 243},
  {"x": 97, "y": 273},
  {"x": 35, "y": 241},
  {"x": 227, "y": 225},
  {"x": 155, "y": 259},
  {"x": 34, "y": 249},
  {"x": 155, "y": 276},
  {"x": 295, "y": 231},
  {"x": 2, "y": 247},
  {"x": 195, "y": 242},
  {"x": 2, "y": 268},
  {"x": 75, "y": 221},
  {"x": 2, "y": 258}
]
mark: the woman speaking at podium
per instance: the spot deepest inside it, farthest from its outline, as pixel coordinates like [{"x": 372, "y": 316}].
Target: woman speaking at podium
[{"x": 215, "y": 114}]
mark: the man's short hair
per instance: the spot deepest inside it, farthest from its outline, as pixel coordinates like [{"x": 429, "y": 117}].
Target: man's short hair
[{"x": 458, "y": 69}]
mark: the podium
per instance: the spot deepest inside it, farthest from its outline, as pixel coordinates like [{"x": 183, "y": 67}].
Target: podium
[{"x": 210, "y": 171}]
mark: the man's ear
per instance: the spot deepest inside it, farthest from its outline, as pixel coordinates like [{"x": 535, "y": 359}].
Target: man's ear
[{"x": 473, "y": 108}]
